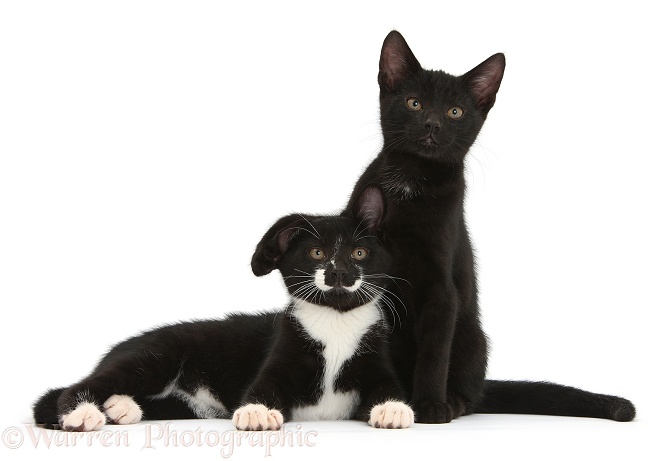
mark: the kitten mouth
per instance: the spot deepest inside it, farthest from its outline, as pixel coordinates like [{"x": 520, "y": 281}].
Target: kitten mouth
[
  {"x": 340, "y": 288},
  {"x": 429, "y": 141}
]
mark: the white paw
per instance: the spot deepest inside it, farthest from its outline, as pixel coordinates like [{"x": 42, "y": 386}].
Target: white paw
[
  {"x": 84, "y": 418},
  {"x": 122, "y": 409},
  {"x": 391, "y": 415},
  {"x": 256, "y": 417}
]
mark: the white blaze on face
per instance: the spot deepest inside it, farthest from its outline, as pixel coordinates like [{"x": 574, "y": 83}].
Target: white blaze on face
[
  {"x": 319, "y": 280},
  {"x": 356, "y": 285},
  {"x": 320, "y": 277}
]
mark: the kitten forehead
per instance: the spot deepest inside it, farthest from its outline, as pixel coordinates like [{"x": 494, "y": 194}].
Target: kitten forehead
[
  {"x": 436, "y": 86},
  {"x": 334, "y": 231}
]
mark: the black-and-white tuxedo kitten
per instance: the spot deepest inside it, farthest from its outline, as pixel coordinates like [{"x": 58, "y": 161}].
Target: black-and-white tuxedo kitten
[
  {"x": 330, "y": 357},
  {"x": 324, "y": 357}
]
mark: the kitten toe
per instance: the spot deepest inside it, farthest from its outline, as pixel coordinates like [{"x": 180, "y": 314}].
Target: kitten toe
[
  {"x": 85, "y": 417},
  {"x": 391, "y": 415},
  {"x": 122, "y": 409},
  {"x": 256, "y": 417}
]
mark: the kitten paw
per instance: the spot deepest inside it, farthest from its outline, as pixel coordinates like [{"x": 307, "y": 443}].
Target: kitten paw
[
  {"x": 391, "y": 415},
  {"x": 256, "y": 417},
  {"x": 84, "y": 418},
  {"x": 122, "y": 409},
  {"x": 436, "y": 412}
]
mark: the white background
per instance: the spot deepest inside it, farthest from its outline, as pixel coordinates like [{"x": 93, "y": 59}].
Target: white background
[{"x": 145, "y": 147}]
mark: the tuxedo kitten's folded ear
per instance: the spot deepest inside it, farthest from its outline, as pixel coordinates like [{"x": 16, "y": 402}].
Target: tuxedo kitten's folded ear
[
  {"x": 369, "y": 207},
  {"x": 274, "y": 243}
]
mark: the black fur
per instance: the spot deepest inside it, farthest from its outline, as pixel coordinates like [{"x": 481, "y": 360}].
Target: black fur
[
  {"x": 289, "y": 376},
  {"x": 441, "y": 351},
  {"x": 437, "y": 346},
  {"x": 430, "y": 119},
  {"x": 266, "y": 358},
  {"x": 222, "y": 355}
]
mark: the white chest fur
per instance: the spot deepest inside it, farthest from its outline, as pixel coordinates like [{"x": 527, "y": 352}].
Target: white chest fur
[{"x": 340, "y": 333}]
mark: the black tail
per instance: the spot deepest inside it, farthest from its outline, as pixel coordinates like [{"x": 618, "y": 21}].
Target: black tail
[
  {"x": 542, "y": 398},
  {"x": 45, "y": 409}
]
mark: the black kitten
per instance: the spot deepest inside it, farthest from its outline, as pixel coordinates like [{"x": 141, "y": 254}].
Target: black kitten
[
  {"x": 325, "y": 357},
  {"x": 430, "y": 120}
]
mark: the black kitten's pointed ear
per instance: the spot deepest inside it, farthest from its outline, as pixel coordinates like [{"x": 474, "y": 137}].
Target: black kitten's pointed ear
[
  {"x": 397, "y": 62},
  {"x": 484, "y": 81},
  {"x": 369, "y": 207},
  {"x": 275, "y": 243}
]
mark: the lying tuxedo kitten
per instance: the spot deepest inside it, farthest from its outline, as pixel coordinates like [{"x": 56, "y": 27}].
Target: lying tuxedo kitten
[
  {"x": 429, "y": 120},
  {"x": 330, "y": 357},
  {"x": 324, "y": 357}
]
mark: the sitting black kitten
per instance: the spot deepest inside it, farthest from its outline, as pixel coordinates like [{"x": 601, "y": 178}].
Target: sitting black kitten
[
  {"x": 430, "y": 119},
  {"x": 326, "y": 356}
]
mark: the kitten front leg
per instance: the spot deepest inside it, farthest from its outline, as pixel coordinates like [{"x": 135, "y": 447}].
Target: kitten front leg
[
  {"x": 264, "y": 407},
  {"x": 434, "y": 333},
  {"x": 257, "y": 417},
  {"x": 391, "y": 415},
  {"x": 382, "y": 400}
]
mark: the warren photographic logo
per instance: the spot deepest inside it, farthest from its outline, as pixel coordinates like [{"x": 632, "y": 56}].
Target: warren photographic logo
[{"x": 160, "y": 437}]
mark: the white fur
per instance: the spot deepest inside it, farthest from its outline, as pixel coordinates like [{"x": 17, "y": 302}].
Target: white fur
[
  {"x": 331, "y": 405},
  {"x": 319, "y": 278},
  {"x": 319, "y": 282},
  {"x": 391, "y": 415},
  {"x": 84, "y": 418},
  {"x": 340, "y": 334},
  {"x": 356, "y": 285},
  {"x": 257, "y": 417},
  {"x": 398, "y": 185},
  {"x": 122, "y": 409},
  {"x": 203, "y": 403}
]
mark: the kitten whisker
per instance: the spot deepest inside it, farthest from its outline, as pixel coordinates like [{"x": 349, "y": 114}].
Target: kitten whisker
[
  {"x": 392, "y": 277},
  {"x": 371, "y": 294},
  {"x": 308, "y": 231},
  {"x": 369, "y": 236},
  {"x": 313, "y": 227},
  {"x": 303, "y": 282},
  {"x": 385, "y": 292}
]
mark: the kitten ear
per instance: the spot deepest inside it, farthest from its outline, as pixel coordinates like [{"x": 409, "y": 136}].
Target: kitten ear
[
  {"x": 484, "y": 81},
  {"x": 369, "y": 207},
  {"x": 275, "y": 243},
  {"x": 397, "y": 62}
]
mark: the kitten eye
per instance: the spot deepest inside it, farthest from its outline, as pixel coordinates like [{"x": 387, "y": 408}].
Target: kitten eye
[
  {"x": 317, "y": 253},
  {"x": 455, "y": 113},
  {"x": 360, "y": 253},
  {"x": 414, "y": 104}
]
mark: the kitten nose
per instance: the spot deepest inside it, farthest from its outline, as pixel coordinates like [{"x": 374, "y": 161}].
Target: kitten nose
[
  {"x": 433, "y": 124},
  {"x": 339, "y": 273}
]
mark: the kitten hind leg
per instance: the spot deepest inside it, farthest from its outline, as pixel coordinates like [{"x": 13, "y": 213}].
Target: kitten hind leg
[
  {"x": 122, "y": 409},
  {"x": 87, "y": 415},
  {"x": 45, "y": 409}
]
